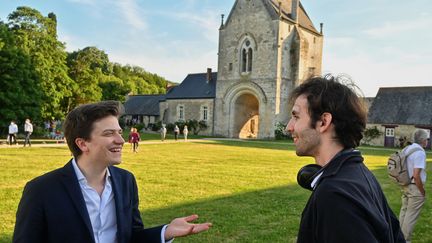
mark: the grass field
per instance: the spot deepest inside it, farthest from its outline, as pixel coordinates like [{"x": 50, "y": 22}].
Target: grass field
[{"x": 248, "y": 190}]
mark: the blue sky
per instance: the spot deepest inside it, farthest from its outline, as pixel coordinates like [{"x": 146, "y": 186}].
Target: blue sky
[{"x": 379, "y": 43}]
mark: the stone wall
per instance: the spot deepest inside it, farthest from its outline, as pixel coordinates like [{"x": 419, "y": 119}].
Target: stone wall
[
  {"x": 399, "y": 131},
  {"x": 192, "y": 109}
]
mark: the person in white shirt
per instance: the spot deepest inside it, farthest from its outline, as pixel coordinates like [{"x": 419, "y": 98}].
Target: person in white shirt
[
  {"x": 163, "y": 132},
  {"x": 28, "y": 130},
  {"x": 413, "y": 196},
  {"x": 90, "y": 200},
  {"x": 13, "y": 130},
  {"x": 185, "y": 132}
]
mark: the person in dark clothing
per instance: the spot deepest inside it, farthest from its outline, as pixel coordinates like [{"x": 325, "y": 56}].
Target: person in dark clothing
[{"x": 347, "y": 203}]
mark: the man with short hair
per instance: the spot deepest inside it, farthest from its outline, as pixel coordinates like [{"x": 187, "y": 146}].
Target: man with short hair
[
  {"x": 90, "y": 200},
  {"x": 413, "y": 196},
  {"x": 347, "y": 203}
]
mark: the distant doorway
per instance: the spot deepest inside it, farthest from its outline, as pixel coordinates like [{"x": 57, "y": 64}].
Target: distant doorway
[
  {"x": 389, "y": 139},
  {"x": 246, "y": 116}
]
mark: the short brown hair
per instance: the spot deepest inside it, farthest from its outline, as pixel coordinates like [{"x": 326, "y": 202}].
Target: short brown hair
[
  {"x": 79, "y": 122},
  {"x": 328, "y": 94}
]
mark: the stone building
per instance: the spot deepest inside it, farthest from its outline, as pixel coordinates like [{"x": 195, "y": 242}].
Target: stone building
[
  {"x": 266, "y": 47},
  {"x": 142, "y": 109},
  {"x": 398, "y": 111}
]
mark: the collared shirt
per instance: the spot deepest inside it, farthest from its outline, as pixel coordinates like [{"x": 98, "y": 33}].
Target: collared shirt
[
  {"x": 315, "y": 180},
  {"x": 101, "y": 209}
]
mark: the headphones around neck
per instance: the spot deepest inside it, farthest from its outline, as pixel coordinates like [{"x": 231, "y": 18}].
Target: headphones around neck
[{"x": 307, "y": 174}]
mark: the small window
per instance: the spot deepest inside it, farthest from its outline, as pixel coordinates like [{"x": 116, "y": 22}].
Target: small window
[
  {"x": 204, "y": 113},
  {"x": 180, "y": 112},
  {"x": 389, "y": 132},
  {"x": 244, "y": 60},
  {"x": 230, "y": 66}
]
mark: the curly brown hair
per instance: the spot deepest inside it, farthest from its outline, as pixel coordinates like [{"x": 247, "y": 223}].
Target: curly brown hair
[{"x": 337, "y": 96}]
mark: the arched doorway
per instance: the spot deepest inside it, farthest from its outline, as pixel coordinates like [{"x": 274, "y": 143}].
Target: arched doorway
[{"x": 246, "y": 116}]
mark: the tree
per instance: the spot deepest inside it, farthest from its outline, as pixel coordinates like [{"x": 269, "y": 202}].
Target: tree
[
  {"x": 88, "y": 68},
  {"x": 20, "y": 95},
  {"x": 113, "y": 89},
  {"x": 36, "y": 36}
]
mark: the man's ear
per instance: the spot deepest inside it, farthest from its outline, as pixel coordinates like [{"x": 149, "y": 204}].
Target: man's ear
[
  {"x": 82, "y": 144},
  {"x": 325, "y": 122}
]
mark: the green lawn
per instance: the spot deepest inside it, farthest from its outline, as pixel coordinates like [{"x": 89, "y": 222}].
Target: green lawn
[{"x": 247, "y": 190}]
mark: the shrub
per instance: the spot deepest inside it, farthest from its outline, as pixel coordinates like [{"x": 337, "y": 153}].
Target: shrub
[
  {"x": 140, "y": 127},
  {"x": 196, "y": 126},
  {"x": 156, "y": 126},
  {"x": 280, "y": 133},
  {"x": 370, "y": 133}
]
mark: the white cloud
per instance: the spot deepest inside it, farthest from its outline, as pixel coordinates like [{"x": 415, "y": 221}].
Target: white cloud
[
  {"x": 370, "y": 74},
  {"x": 207, "y": 21},
  {"x": 400, "y": 28},
  {"x": 131, "y": 12},
  {"x": 85, "y": 2},
  {"x": 173, "y": 68}
]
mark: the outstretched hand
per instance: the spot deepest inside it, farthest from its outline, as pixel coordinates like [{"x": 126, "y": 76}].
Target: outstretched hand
[{"x": 181, "y": 227}]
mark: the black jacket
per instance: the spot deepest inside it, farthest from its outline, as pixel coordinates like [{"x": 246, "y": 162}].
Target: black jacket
[{"x": 348, "y": 205}]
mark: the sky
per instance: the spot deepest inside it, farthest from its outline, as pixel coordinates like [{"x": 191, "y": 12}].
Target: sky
[{"x": 378, "y": 43}]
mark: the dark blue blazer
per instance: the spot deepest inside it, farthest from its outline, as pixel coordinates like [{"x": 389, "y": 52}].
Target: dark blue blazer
[{"x": 52, "y": 209}]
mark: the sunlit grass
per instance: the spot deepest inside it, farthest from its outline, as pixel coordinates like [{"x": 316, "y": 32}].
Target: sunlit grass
[{"x": 247, "y": 190}]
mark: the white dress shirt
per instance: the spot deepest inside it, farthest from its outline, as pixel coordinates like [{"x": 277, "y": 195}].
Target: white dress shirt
[{"x": 101, "y": 209}]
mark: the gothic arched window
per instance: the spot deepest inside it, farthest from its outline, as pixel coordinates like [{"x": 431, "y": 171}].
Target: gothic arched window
[{"x": 246, "y": 56}]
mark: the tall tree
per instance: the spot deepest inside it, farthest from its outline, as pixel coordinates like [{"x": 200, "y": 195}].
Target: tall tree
[
  {"x": 20, "y": 95},
  {"x": 37, "y": 37},
  {"x": 88, "y": 67}
]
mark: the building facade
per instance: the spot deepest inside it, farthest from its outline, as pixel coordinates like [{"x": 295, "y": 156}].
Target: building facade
[
  {"x": 398, "y": 111},
  {"x": 266, "y": 47}
]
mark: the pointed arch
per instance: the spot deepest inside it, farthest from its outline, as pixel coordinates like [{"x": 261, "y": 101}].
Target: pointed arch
[{"x": 247, "y": 46}]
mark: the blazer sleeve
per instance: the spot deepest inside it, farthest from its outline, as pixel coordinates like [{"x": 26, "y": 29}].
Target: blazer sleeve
[
  {"x": 30, "y": 224},
  {"x": 139, "y": 233}
]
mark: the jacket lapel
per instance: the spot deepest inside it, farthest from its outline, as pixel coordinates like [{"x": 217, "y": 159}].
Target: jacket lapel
[
  {"x": 70, "y": 181},
  {"x": 118, "y": 198}
]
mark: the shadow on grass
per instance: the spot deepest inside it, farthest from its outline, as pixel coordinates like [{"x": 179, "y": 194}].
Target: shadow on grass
[{"x": 270, "y": 215}]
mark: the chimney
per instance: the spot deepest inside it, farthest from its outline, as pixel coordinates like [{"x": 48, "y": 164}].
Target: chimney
[
  {"x": 209, "y": 75},
  {"x": 321, "y": 28},
  {"x": 294, "y": 10}
]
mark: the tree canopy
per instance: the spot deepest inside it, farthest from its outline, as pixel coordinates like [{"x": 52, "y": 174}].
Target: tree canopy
[{"x": 40, "y": 80}]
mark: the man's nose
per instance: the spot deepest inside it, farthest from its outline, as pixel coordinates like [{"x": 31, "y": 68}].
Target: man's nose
[{"x": 289, "y": 127}]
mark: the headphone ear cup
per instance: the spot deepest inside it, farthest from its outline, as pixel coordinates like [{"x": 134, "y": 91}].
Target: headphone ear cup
[{"x": 306, "y": 175}]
